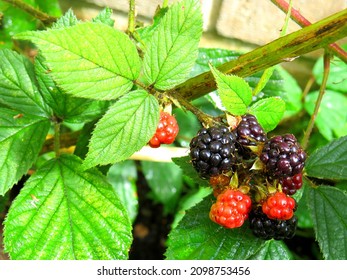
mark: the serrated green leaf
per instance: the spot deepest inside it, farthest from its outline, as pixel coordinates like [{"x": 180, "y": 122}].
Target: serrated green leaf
[
  {"x": 302, "y": 211},
  {"x": 18, "y": 88},
  {"x": 21, "y": 139},
  {"x": 122, "y": 176},
  {"x": 105, "y": 17},
  {"x": 204, "y": 239},
  {"x": 272, "y": 250},
  {"x": 66, "y": 107},
  {"x": 165, "y": 182},
  {"x": 234, "y": 92},
  {"x": 68, "y": 19},
  {"x": 328, "y": 211},
  {"x": 64, "y": 212},
  {"x": 330, "y": 161},
  {"x": 126, "y": 127},
  {"x": 173, "y": 48},
  {"x": 331, "y": 119},
  {"x": 147, "y": 31},
  {"x": 99, "y": 62},
  {"x": 269, "y": 112}
]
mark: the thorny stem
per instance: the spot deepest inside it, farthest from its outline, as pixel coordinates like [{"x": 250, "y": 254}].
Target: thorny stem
[
  {"x": 131, "y": 17},
  {"x": 43, "y": 17},
  {"x": 297, "y": 17},
  {"x": 308, "y": 131}
]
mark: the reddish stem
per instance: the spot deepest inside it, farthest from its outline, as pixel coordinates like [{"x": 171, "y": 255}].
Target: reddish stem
[{"x": 302, "y": 21}]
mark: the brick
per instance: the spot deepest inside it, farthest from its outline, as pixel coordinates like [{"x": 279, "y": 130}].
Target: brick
[{"x": 260, "y": 22}]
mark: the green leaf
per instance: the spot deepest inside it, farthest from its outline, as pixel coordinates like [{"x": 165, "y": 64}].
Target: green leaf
[
  {"x": 269, "y": 112},
  {"x": 68, "y": 19},
  {"x": 234, "y": 92},
  {"x": 64, "y": 212},
  {"x": 337, "y": 80},
  {"x": 330, "y": 161},
  {"x": 187, "y": 168},
  {"x": 21, "y": 139},
  {"x": 302, "y": 211},
  {"x": 122, "y": 176},
  {"x": 126, "y": 127},
  {"x": 263, "y": 80},
  {"x": 328, "y": 211},
  {"x": 273, "y": 250},
  {"x": 173, "y": 48},
  {"x": 165, "y": 182},
  {"x": 197, "y": 237},
  {"x": 188, "y": 202},
  {"x": 66, "y": 107},
  {"x": 104, "y": 17},
  {"x": 331, "y": 119},
  {"x": 90, "y": 68},
  {"x": 50, "y": 7},
  {"x": 17, "y": 85}
]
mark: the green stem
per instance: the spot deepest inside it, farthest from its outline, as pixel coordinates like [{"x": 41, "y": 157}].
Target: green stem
[
  {"x": 43, "y": 17},
  {"x": 286, "y": 48},
  {"x": 131, "y": 17},
  {"x": 302, "y": 21},
  {"x": 57, "y": 125},
  {"x": 318, "y": 102}
]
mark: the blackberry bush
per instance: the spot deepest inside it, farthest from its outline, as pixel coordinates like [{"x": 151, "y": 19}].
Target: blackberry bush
[{"x": 80, "y": 101}]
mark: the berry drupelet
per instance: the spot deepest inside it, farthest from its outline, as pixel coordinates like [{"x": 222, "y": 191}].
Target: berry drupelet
[
  {"x": 283, "y": 156},
  {"x": 212, "y": 151}
]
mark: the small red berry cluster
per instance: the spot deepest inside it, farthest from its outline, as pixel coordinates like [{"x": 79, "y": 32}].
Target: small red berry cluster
[
  {"x": 166, "y": 132},
  {"x": 263, "y": 175}
]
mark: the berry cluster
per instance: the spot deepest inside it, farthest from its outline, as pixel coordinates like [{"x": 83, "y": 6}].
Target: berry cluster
[
  {"x": 252, "y": 177},
  {"x": 166, "y": 132}
]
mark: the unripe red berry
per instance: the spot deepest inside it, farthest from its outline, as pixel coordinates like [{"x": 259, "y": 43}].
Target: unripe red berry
[
  {"x": 279, "y": 206},
  {"x": 231, "y": 209},
  {"x": 166, "y": 132}
]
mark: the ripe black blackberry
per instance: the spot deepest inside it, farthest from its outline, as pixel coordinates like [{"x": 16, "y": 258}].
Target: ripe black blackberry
[
  {"x": 265, "y": 228},
  {"x": 283, "y": 156},
  {"x": 249, "y": 131},
  {"x": 212, "y": 151}
]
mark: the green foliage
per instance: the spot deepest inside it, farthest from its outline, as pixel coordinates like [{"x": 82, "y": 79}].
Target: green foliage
[
  {"x": 125, "y": 128},
  {"x": 107, "y": 73},
  {"x": 64, "y": 212},
  {"x": 165, "y": 181},
  {"x": 108, "y": 88},
  {"x": 330, "y": 161},
  {"x": 21, "y": 139},
  {"x": 172, "y": 50},
  {"x": 234, "y": 92},
  {"x": 328, "y": 210}
]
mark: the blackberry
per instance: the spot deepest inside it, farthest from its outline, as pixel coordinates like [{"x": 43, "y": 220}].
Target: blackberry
[
  {"x": 291, "y": 184},
  {"x": 249, "y": 131},
  {"x": 282, "y": 156},
  {"x": 212, "y": 151},
  {"x": 266, "y": 228}
]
